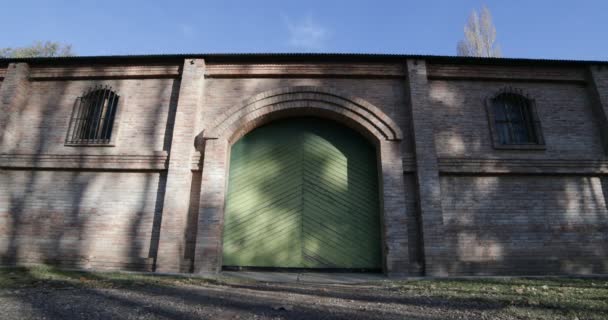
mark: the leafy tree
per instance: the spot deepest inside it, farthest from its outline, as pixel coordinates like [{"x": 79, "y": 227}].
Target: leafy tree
[
  {"x": 38, "y": 49},
  {"x": 479, "y": 36}
]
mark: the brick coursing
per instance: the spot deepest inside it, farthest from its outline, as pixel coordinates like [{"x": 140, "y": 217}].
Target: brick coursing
[
  {"x": 427, "y": 172},
  {"x": 461, "y": 122},
  {"x": 597, "y": 77},
  {"x": 82, "y": 219},
  {"x": 13, "y": 97},
  {"x": 41, "y": 123},
  {"x": 387, "y": 94},
  {"x": 525, "y": 224},
  {"x": 452, "y": 204}
]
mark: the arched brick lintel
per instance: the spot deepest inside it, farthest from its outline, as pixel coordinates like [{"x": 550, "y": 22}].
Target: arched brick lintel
[
  {"x": 371, "y": 122},
  {"x": 300, "y": 101}
]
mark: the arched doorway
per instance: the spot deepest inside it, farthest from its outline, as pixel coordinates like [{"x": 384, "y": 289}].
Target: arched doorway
[
  {"x": 214, "y": 143},
  {"x": 303, "y": 193}
]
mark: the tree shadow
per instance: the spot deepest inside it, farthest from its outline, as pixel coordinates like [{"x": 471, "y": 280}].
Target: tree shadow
[
  {"x": 515, "y": 223},
  {"x": 304, "y": 186},
  {"x": 126, "y": 298},
  {"x": 75, "y": 216}
]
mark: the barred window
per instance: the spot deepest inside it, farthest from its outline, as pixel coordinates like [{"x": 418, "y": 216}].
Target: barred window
[
  {"x": 93, "y": 117},
  {"x": 514, "y": 120}
]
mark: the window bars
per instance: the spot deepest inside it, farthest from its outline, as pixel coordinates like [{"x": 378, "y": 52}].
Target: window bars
[
  {"x": 93, "y": 117},
  {"x": 514, "y": 119}
]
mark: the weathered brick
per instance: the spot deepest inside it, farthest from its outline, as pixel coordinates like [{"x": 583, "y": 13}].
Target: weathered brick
[{"x": 452, "y": 204}]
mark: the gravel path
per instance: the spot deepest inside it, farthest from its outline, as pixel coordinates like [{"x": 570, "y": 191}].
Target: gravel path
[{"x": 235, "y": 301}]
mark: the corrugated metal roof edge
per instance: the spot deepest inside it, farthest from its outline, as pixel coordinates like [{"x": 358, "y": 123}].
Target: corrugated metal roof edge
[{"x": 298, "y": 57}]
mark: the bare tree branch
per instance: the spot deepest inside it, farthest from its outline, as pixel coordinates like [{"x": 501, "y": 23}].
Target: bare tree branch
[
  {"x": 479, "y": 36},
  {"x": 38, "y": 49}
]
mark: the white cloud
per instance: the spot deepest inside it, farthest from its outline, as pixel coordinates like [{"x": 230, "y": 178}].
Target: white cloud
[{"x": 306, "y": 34}]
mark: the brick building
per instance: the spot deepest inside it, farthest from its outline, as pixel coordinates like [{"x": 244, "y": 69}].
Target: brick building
[{"x": 406, "y": 164}]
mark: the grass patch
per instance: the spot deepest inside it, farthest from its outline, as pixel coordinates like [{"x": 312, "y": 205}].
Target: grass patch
[
  {"x": 520, "y": 298},
  {"x": 547, "y": 298}
]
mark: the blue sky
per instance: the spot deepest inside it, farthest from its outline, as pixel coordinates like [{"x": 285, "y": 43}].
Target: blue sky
[{"x": 534, "y": 28}]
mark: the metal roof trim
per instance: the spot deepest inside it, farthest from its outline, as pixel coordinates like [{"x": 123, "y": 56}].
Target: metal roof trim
[{"x": 298, "y": 57}]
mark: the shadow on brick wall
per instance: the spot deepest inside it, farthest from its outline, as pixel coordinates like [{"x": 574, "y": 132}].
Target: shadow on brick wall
[
  {"x": 514, "y": 223},
  {"x": 83, "y": 217}
]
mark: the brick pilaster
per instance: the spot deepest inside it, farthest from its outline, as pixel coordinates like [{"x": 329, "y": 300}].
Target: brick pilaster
[
  {"x": 207, "y": 257},
  {"x": 13, "y": 95},
  {"x": 396, "y": 249},
  {"x": 598, "y": 91},
  {"x": 171, "y": 246},
  {"x": 427, "y": 173}
]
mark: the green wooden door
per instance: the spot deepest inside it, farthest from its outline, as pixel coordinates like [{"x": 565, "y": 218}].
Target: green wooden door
[{"x": 302, "y": 193}]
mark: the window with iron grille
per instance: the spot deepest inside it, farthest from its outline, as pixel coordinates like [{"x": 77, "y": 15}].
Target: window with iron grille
[
  {"x": 93, "y": 117},
  {"x": 514, "y": 122}
]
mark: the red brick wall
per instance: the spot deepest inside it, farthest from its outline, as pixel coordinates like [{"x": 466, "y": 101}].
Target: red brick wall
[
  {"x": 144, "y": 104},
  {"x": 525, "y": 224},
  {"x": 106, "y": 216},
  {"x": 85, "y": 219},
  {"x": 462, "y": 129},
  {"x": 386, "y": 94},
  {"x": 514, "y": 211},
  {"x": 479, "y": 210}
]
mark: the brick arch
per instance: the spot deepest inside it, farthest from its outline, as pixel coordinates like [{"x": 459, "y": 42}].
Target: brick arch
[
  {"x": 214, "y": 143},
  {"x": 304, "y": 100},
  {"x": 510, "y": 90}
]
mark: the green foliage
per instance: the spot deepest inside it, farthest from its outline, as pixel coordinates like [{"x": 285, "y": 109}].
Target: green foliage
[{"x": 38, "y": 49}]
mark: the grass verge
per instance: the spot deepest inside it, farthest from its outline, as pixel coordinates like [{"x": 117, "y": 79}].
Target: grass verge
[
  {"x": 528, "y": 298},
  {"x": 522, "y": 298}
]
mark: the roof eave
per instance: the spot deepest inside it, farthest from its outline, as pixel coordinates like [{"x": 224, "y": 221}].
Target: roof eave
[{"x": 296, "y": 57}]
